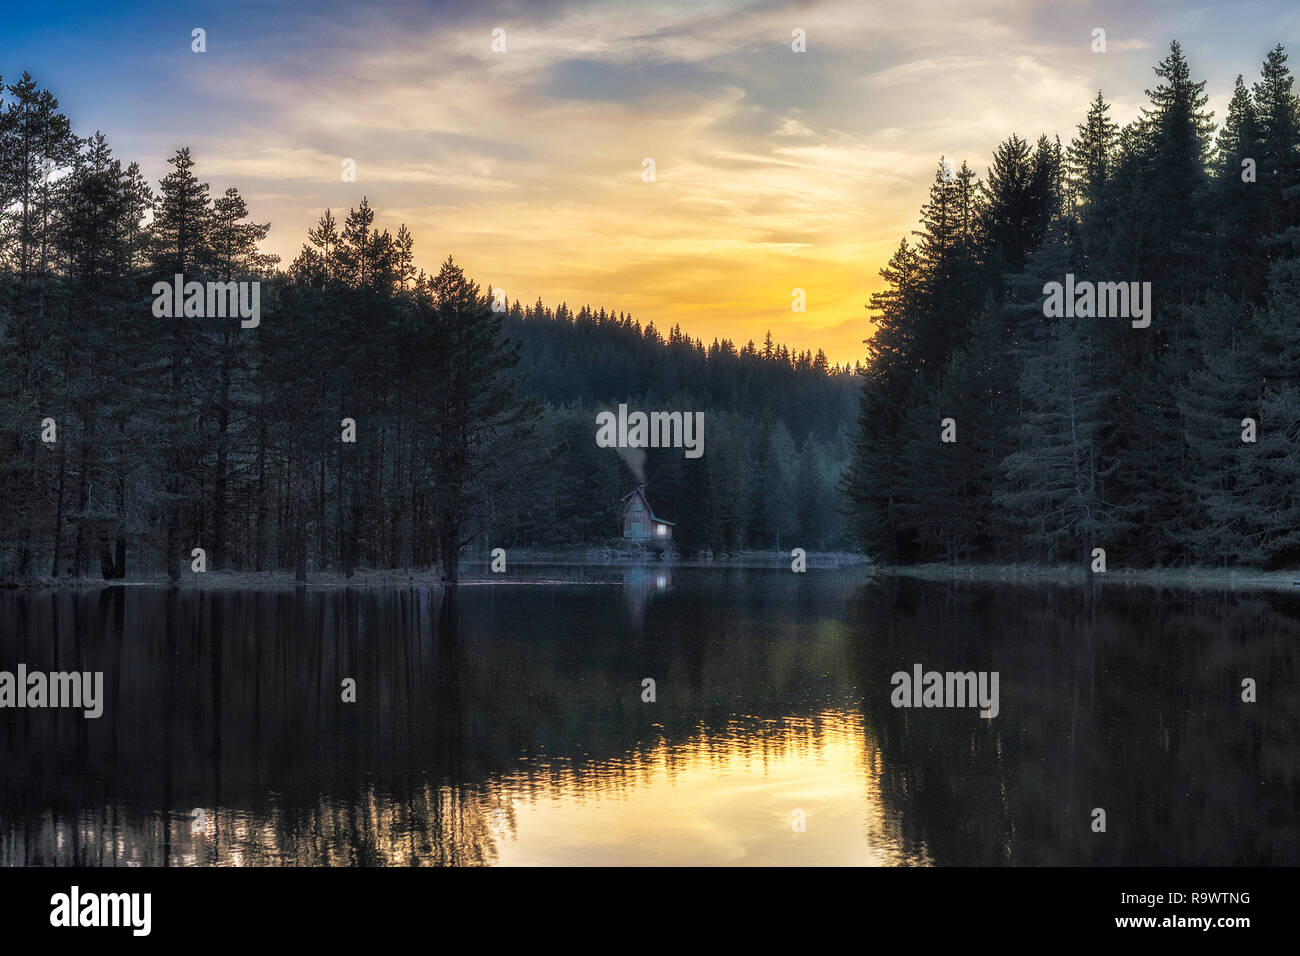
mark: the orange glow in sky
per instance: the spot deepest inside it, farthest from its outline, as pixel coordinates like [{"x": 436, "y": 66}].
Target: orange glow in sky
[{"x": 775, "y": 169}]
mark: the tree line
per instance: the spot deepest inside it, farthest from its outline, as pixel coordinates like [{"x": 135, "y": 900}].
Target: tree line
[
  {"x": 370, "y": 419},
  {"x": 1173, "y": 444},
  {"x": 377, "y": 416},
  {"x": 776, "y": 426}
]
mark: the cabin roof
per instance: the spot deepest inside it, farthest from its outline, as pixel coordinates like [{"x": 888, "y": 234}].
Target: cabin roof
[{"x": 640, "y": 490}]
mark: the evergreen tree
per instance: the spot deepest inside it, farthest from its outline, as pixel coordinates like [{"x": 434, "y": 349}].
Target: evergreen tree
[
  {"x": 1279, "y": 136},
  {"x": 1011, "y": 216},
  {"x": 1240, "y": 206},
  {"x": 1227, "y": 476},
  {"x": 1055, "y": 478},
  {"x": 480, "y": 423},
  {"x": 870, "y": 480},
  {"x": 181, "y": 246},
  {"x": 1090, "y": 157}
]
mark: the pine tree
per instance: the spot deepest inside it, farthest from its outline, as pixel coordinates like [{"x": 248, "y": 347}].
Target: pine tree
[
  {"x": 1279, "y": 136},
  {"x": 36, "y": 142},
  {"x": 181, "y": 246},
  {"x": 1176, "y": 133},
  {"x": 96, "y": 240},
  {"x": 1241, "y": 207},
  {"x": 952, "y": 284},
  {"x": 1274, "y": 510},
  {"x": 780, "y": 490},
  {"x": 480, "y": 422},
  {"x": 1090, "y": 158},
  {"x": 1227, "y": 479},
  {"x": 1011, "y": 214},
  {"x": 870, "y": 480},
  {"x": 234, "y": 255},
  {"x": 1055, "y": 488}
]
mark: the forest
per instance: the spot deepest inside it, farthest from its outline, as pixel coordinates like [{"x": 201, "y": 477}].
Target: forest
[
  {"x": 988, "y": 432},
  {"x": 372, "y": 416},
  {"x": 378, "y": 416},
  {"x": 778, "y": 427}
]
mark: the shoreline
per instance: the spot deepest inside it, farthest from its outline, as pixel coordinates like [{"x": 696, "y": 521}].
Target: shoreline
[
  {"x": 474, "y": 571},
  {"x": 1211, "y": 579}
]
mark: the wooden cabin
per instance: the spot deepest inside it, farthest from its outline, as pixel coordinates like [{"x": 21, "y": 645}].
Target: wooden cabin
[{"x": 639, "y": 521}]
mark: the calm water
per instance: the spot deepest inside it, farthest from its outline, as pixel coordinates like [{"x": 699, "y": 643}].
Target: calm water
[{"x": 508, "y": 727}]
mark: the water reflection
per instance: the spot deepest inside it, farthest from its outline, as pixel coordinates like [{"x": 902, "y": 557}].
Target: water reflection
[
  {"x": 734, "y": 797},
  {"x": 640, "y": 584},
  {"x": 507, "y": 727}
]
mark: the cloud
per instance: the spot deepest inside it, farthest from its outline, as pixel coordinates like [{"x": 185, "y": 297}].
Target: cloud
[
  {"x": 792, "y": 127},
  {"x": 775, "y": 169}
]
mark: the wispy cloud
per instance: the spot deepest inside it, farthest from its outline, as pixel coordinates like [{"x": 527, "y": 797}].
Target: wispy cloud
[{"x": 775, "y": 169}]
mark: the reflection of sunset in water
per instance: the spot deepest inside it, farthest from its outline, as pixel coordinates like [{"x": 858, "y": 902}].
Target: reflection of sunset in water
[
  {"x": 726, "y": 797},
  {"x": 474, "y": 742},
  {"x": 719, "y": 798}
]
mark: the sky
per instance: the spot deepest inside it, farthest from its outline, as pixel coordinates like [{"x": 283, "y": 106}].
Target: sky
[{"x": 774, "y": 170}]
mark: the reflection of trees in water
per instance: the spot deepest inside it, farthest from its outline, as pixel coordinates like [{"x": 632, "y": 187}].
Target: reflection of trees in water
[
  {"x": 1123, "y": 699},
  {"x": 640, "y": 584},
  {"x": 230, "y": 702},
  {"x": 247, "y": 724},
  {"x": 435, "y": 826}
]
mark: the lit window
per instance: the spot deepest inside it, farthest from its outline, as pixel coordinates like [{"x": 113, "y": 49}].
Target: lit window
[{"x": 663, "y": 530}]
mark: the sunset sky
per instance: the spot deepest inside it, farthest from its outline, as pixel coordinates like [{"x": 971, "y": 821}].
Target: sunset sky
[{"x": 775, "y": 169}]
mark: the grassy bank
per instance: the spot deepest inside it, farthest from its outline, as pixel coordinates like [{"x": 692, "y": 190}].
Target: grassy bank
[{"x": 1202, "y": 578}]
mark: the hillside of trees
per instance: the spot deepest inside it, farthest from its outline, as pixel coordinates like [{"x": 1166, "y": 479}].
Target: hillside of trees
[
  {"x": 127, "y": 440},
  {"x": 776, "y": 433},
  {"x": 1082, "y": 433},
  {"x": 376, "y": 416}
]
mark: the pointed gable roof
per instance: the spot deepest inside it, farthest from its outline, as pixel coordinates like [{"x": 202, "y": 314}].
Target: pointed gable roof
[{"x": 639, "y": 491}]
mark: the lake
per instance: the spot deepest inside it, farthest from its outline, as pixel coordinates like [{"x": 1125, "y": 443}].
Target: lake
[{"x": 509, "y": 725}]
